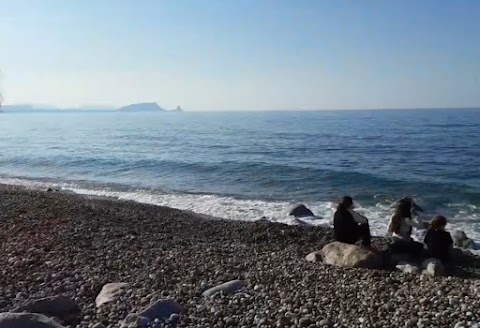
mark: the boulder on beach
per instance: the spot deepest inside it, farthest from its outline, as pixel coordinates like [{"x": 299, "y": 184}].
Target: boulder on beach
[
  {"x": 226, "y": 288},
  {"x": 55, "y": 306},
  {"x": 161, "y": 309},
  {"x": 26, "y": 320},
  {"x": 300, "y": 211},
  {"x": 352, "y": 256},
  {"x": 433, "y": 267},
  {"x": 461, "y": 240},
  {"x": 110, "y": 293},
  {"x": 134, "y": 320}
]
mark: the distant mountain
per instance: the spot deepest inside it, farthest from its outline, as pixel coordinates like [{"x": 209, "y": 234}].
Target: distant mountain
[
  {"x": 142, "y": 107},
  {"x": 147, "y": 107},
  {"x": 26, "y": 109}
]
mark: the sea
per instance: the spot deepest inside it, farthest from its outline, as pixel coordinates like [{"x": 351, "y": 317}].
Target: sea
[{"x": 253, "y": 165}]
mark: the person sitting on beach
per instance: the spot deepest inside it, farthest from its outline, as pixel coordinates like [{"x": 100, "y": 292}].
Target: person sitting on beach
[
  {"x": 439, "y": 242},
  {"x": 400, "y": 228},
  {"x": 349, "y": 226}
]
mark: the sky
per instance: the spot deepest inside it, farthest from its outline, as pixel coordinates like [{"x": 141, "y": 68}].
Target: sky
[{"x": 241, "y": 54}]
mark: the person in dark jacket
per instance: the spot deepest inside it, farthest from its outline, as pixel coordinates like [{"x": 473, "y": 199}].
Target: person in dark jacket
[
  {"x": 349, "y": 226},
  {"x": 438, "y": 241}
]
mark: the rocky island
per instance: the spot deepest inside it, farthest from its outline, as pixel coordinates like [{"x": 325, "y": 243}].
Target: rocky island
[{"x": 146, "y": 107}]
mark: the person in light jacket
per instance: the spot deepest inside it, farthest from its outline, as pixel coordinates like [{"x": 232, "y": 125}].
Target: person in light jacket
[{"x": 400, "y": 229}]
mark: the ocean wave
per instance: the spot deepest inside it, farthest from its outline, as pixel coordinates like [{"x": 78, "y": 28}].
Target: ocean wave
[{"x": 463, "y": 216}]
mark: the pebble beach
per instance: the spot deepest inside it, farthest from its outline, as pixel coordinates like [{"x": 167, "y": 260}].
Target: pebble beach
[{"x": 55, "y": 243}]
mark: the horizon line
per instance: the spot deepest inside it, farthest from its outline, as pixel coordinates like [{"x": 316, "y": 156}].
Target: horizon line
[{"x": 104, "y": 108}]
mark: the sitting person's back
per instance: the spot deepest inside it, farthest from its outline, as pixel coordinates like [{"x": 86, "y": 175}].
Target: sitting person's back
[
  {"x": 344, "y": 227},
  {"x": 438, "y": 241},
  {"x": 349, "y": 226}
]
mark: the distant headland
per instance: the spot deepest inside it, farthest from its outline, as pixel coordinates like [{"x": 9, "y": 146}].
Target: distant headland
[
  {"x": 138, "y": 107},
  {"x": 147, "y": 107}
]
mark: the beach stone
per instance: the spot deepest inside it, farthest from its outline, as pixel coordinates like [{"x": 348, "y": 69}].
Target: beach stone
[
  {"x": 55, "y": 306},
  {"x": 461, "y": 240},
  {"x": 174, "y": 317},
  {"x": 98, "y": 325},
  {"x": 314, "y": 256},
  {"x": 110, "y": 293},
  {"x": 300, "y": 211},
  {"x": 353, "y": 256},
  {"x": 161, "y": 309},
  {"x": 134, "y": 320},
  {"x": 226, "y": 288},
  {"x": 433, "y": 267},
  {"x": 26, "y": 320},
  {"x": 406, "y": 267}
]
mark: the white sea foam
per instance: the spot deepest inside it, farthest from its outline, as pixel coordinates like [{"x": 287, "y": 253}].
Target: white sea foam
[
  {"x": 467, "y": 217},
  {"x": 251, "y": 210}
]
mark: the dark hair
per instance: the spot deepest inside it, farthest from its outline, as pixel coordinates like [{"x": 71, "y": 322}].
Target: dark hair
[
  {"x": 347, "y": 201},
  {"x": 438, "y": 221},
  {"x": 402, "y": 211}
]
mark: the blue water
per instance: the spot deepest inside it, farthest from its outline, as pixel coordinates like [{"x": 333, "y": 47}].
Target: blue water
[{"x": 246, "y": 165}]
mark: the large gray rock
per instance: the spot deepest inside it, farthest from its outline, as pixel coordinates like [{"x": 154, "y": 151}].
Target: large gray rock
[
  {"x": 134, "y": 320},
  {"x": 353, "y": 256},
  {"x": 110, "y": 293},
  {"x": 161, "y": 309},
  {"x": 461, "y": 240},
  {"x": 55, "y": 306},
  {"x": 300, "y": 211},
  {"x": 226, "y": 288},
  {"x": 433, "y": 267},
  {"x": 26, "y": 320}
]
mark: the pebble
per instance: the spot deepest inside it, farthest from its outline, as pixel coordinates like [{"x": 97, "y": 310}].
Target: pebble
[{"x": 177, "y": 254}]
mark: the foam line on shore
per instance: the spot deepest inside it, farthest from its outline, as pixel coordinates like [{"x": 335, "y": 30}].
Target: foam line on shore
[{"x": 214, "y": 207}]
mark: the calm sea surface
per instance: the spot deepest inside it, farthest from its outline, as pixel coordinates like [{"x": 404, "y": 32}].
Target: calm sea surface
[{"x": 249, "y": 165}]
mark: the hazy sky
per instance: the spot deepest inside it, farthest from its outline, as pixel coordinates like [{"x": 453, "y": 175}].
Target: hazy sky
[{"x": 241, "y": 54}]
